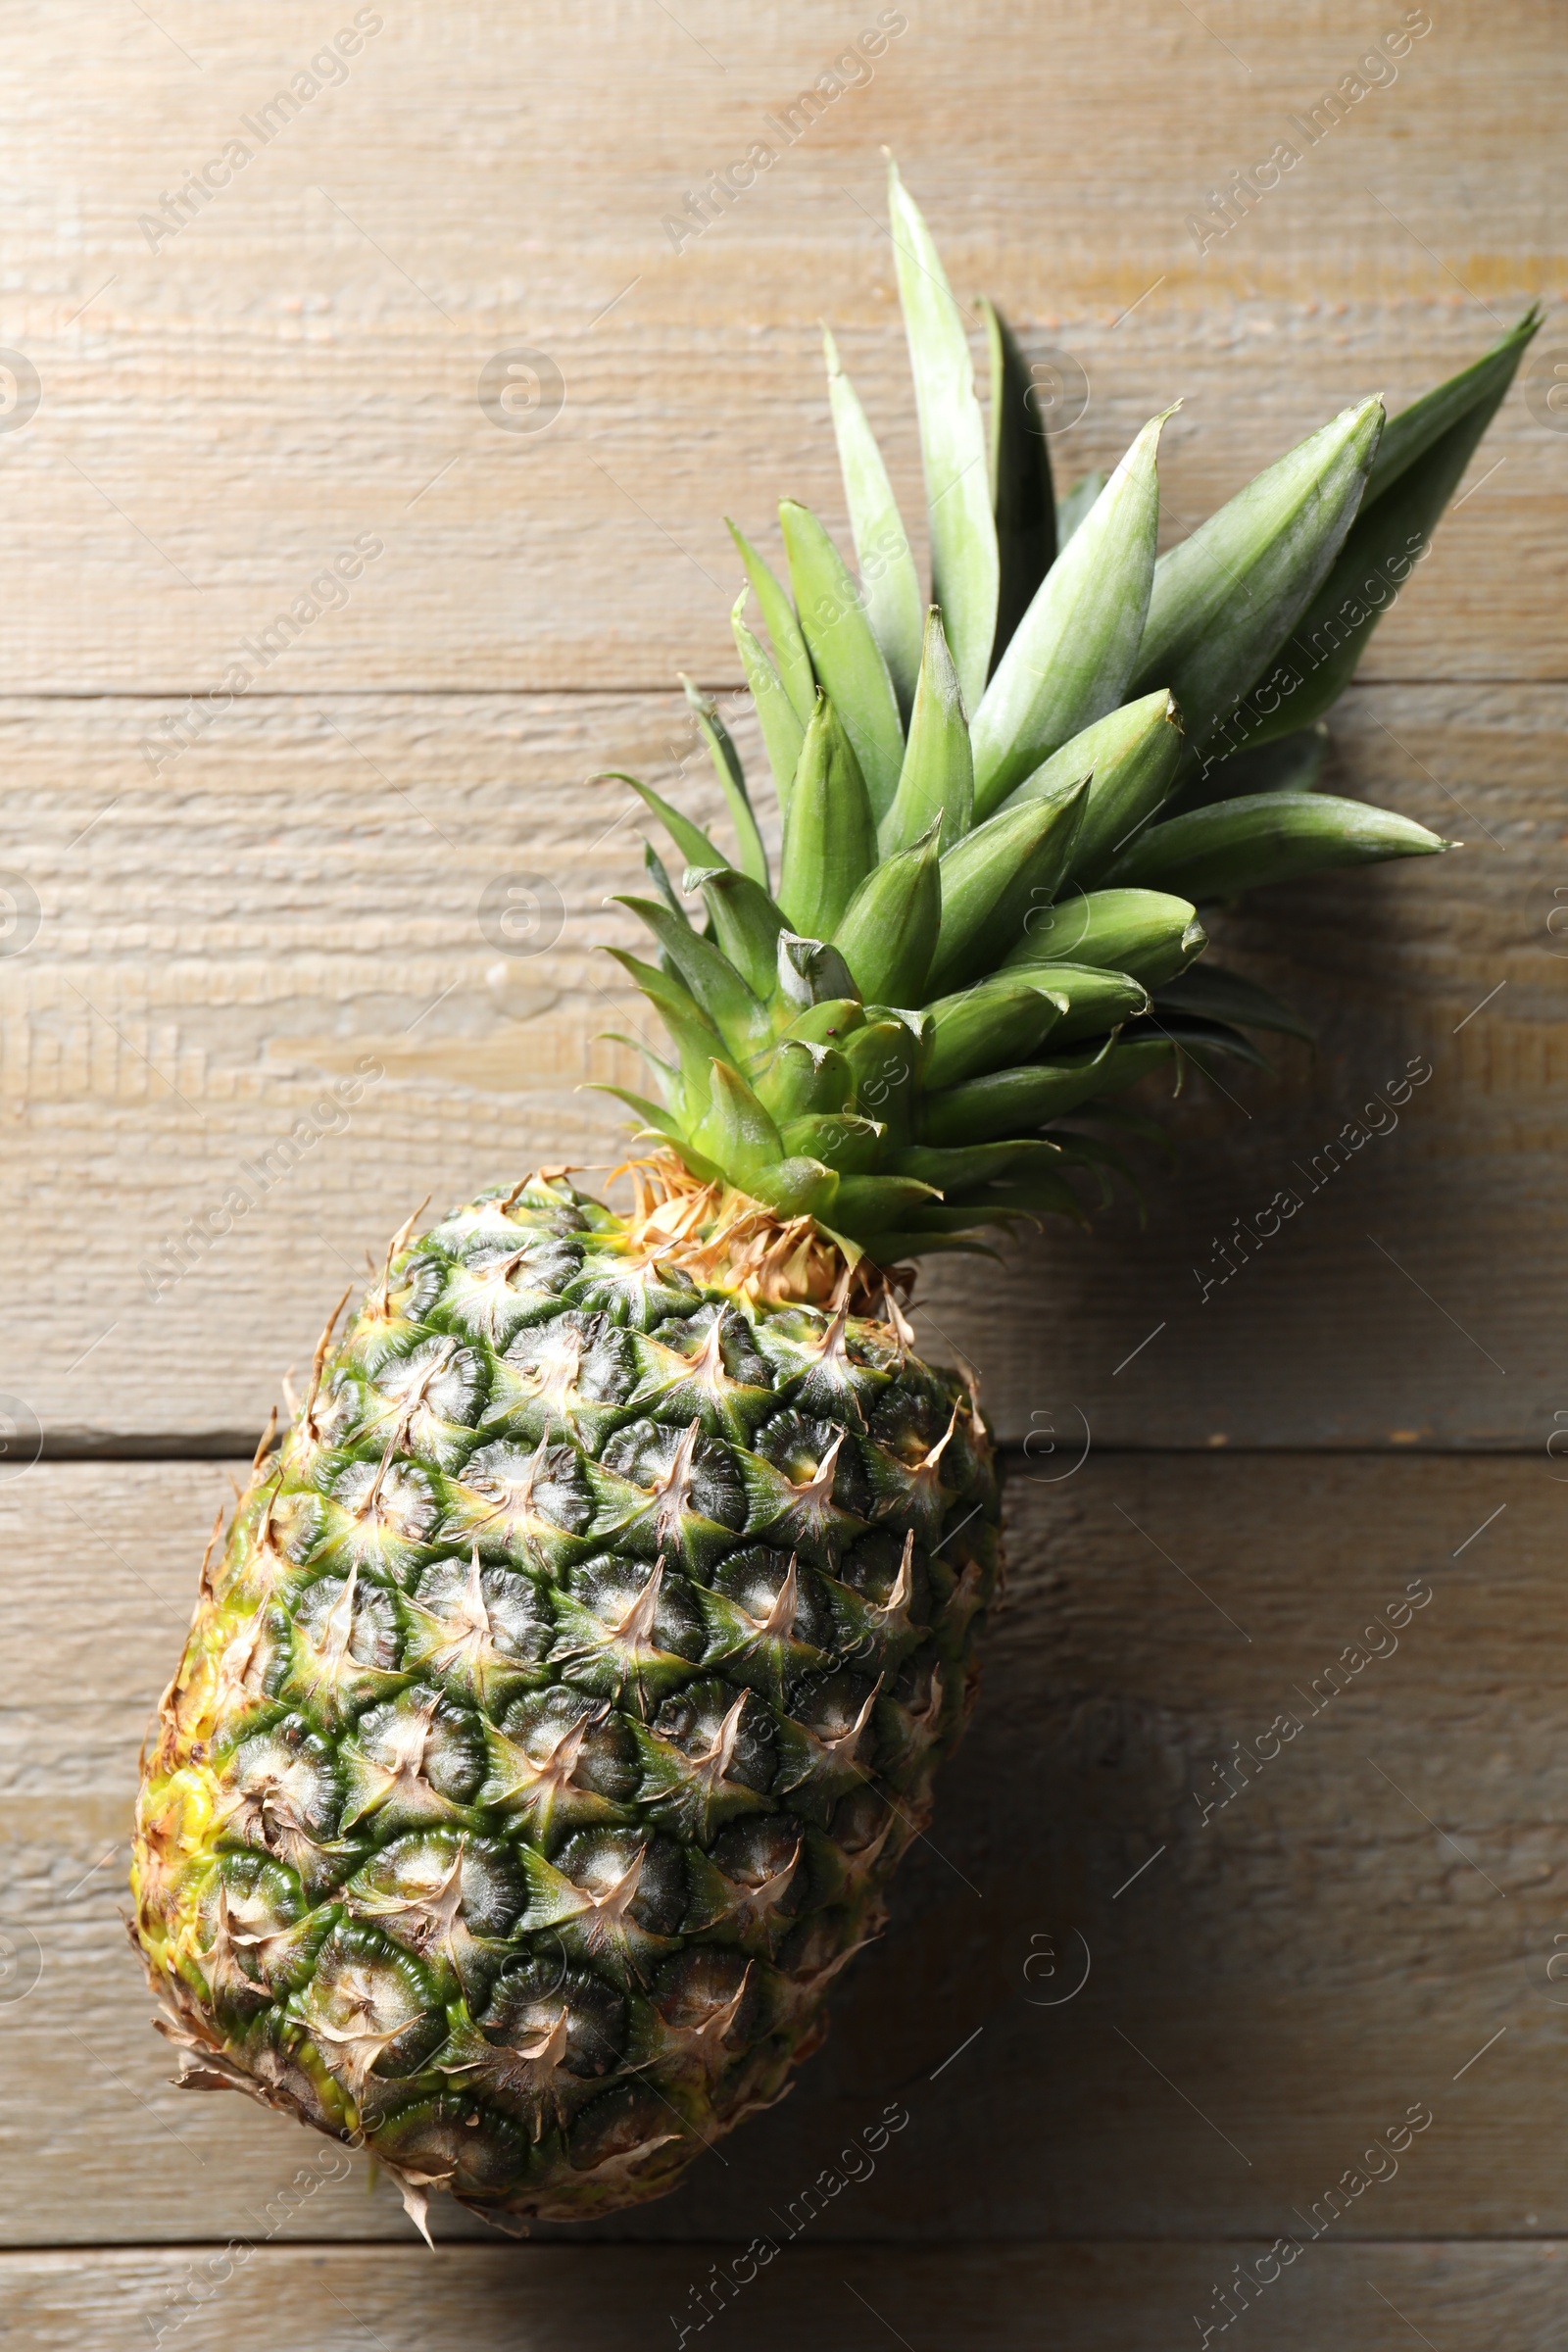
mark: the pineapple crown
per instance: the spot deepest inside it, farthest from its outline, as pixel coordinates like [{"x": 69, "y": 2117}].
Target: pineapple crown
[{"x": 1004, "y": 808}]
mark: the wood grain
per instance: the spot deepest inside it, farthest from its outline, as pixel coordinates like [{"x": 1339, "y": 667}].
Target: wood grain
[
  {"x": 1103, "y": 2298},
  {"x": 297, "y": 366},
  {"x": 224, "y": 936},
  {"x": 1366, "y": 1922},
  {"x": 219, "y": 951}
]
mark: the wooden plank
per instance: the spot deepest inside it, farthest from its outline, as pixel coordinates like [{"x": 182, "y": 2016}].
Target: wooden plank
[
  {"x": 1364, "y": 1926},
  {"x": 1468, "y": 2298},
  {"x": 297, "y": 366},
  {"x": 219, "y": 951},
  {"x": 1368, "y": 1919}
]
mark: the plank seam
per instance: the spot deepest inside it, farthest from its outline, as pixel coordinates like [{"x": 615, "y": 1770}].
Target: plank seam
[
  {"x": 174, "y": 2247},
  {"x": 231, "y": 1445},
  {"x": 383, "y": 693}
]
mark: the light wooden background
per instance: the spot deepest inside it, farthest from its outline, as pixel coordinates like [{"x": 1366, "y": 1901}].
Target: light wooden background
[{"x": 1372, "y": 1403}]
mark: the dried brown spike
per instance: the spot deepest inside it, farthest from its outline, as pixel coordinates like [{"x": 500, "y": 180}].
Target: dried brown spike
[
  {"x": 319, "y": 1360},
  {"x": 398, "y": 1242},
  {"x": 204, "y": 1585},
  {"x": 270, "y": 1431}
]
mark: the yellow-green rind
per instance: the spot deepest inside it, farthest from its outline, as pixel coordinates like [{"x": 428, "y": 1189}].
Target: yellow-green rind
[{"x": 470, "y": 1833}]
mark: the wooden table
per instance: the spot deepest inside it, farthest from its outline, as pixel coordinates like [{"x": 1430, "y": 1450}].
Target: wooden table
[{"x": 242, "y": 901}]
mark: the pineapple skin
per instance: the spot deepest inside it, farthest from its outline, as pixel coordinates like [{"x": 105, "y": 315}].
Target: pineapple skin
[{"x": 568, "y": 1688}]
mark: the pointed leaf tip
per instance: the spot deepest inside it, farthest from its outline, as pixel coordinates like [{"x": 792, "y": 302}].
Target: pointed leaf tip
[
  {"x": 1073, "y": 650},
  {"x": 1226, "y": 598},
  {"x": 750, "y": 856},
  {"x": 829, "y": 834},
  {"x": 1022, "y": 493},
  {"x": 965, "y": 563},
  {"x": 793, "y": 662},
  {"x": 783, "y": 731},
  {"x": 937, "y": 777},
  {"x": 890, "y": 588},
  {"x": 845, "y": 653}
]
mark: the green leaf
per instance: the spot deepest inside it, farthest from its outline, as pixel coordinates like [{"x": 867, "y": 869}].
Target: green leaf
[
  {"x": 1203, "y": 1042},
  {"x": 797, "y": 1188},
  {"x": 799, "y": 1080},
  {"x": 890, "y": 586},
  {"x": 1210, "y": 992},
  {"x": 1227, "y": 598},
  {"x": 752, "y": 857},
  {"x": 736, "y": 1012},
  {"x": 1475, "y": 393},
  {"x": 892, "y": 1248},
  {"x": 1146, "y": 933},
  {"x": 1009, "y": 1101},
  {"x": 866, "y": 1205},
  {"x": 811, "y": 972},
  {"x": 697, "y": 1041},
  {"x": 846, "y": 656},
  {"x": 953, "y": 446},
  {"x": 691, "y": 841},
  {"x": 889, "y": 931},
  {"x": 661, "y": 1122},
  {"x": 829, "y": 838},
  {"x": 1270, "y": 837},
  {"x": 827, "y": 1021},
  {"x": 782, "y": 732},
  {"x": 841, "y": 1139},
  {"x": 885, "y": 1064},
  {"x": 1283, "y": 763},
  {"x": 668, "y": 1075},
  {"x": 1074, "y": 649},
  {"x": 1131, "y": 759},
  {"x": 1022, "y": 498},
  {"x": 1000, "y": 876},
  {"x": 661, "y": 988},
  {"x": 1074, "y": 505},
  {"x": 1048, "y": 1194},
  {"x": 1402, "y": 506},
  {"x": 746, "y": 925},
  {"x": 736, "y": 1132},
  {"x": 1003, "y": 1020},
  {"x": 937, "y": 778},
  {"x": 793, "y": 662},
  {"x": 1095, "y": 999},
  {"x": 658, "y": 880},
  {"x": 960, "y": 1168},
  {"x": 967, "y": 1218}
]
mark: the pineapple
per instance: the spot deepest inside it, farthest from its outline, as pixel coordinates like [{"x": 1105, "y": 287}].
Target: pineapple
[{"x": 573, "y": 1675}]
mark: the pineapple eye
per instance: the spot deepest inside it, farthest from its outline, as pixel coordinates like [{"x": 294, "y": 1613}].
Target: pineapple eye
[
  {"x": 872, "y": 1568},
  {"x": 645, "y": 1875},
  {"x": 647, "y": 1453},
  {"x": 755, "y": 1580},
  {"x": 713, "y": 2004},
  {"x": 800, "y": 1447},
  {"x": 619, "y": 2133},
  {"x": 757, "y": 1852},
  {"x": 479, "y": 2149},
  {"x": 288, "y": 1772},
  {"x": 419, "y": 1747},
  {"x": 530, "y": 1999},
  {"x": 833, "y": 1706},
  {"x": 370, "y": 1624},
  {"x": 729, "y": 1730},
  {"x": 419, "y": 1285}
]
